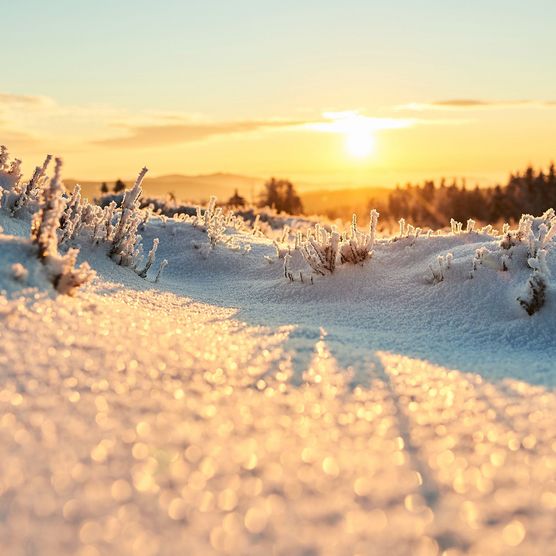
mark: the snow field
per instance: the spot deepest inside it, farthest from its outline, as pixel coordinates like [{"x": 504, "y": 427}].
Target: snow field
[
  {"x": 403, "y": 405},
  {"x": 199, "y": 442}
]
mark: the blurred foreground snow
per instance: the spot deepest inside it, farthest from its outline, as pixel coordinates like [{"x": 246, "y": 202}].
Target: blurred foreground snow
[
  {"x": 152, "y": 419},
  {"x": 146, "y": 423}
]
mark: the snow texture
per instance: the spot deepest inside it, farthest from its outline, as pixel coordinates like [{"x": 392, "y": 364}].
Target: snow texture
[{"x": 222, "y": 408}]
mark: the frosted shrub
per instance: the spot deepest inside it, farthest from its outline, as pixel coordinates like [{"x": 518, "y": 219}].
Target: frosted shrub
[
  {"x": 47, "y": 219},
  {"x": 282, "y": 245},
  {"x": 257, "y": 226},
  {"x": 444, "y": 263},
  {"x": 456, "y": 226},
  {"x": 320, "y": 251},
  {"x": 161, "y": 268},
  {"x": 511, "y": 238},
  {"x": 281, "y": 249},
  {"x": 14, "y": 194},
  {"x": 10, "y": 172},
  {"x": 526, "y": 246},
  {"x": 112, "y": 225},
  {"x": 534, "y": 233},
  {"x": 59, "y": 219},
  {"x": 543, "y": 238},
  {"x": 495, "y": 260},
  {"x": 65, "y": 277},
  {"x": 216, "y": 224},
  {"x": 125, "y": 248},
  {"x": 216, "y": 229},
  {"x": 287, "y": 272},
  {"x": 31, "y": 193},
  {"x": 219, "y": 223},
  {"x": 150, "y": 259},
  {"x": 71, "y": 219},
  {"x": 534, "y": 297},
  {"x": 408, "y": 230},
  {"x": 359, "y": 246},
  {"x": 402, "y": 228},
  {"x": 103, "y": 222}
]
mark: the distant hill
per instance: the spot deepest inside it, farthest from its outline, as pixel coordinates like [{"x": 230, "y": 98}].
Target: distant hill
[
  {"x": 185, "y": 188},
  {"x": 330, "y": 202}
]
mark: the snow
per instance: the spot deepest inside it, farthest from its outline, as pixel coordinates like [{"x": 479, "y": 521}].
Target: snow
[
  {"x": 226, "y": 409},
  {"x": 385, "y": 305}
]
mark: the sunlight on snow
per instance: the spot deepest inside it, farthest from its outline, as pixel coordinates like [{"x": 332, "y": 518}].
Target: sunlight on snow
[{"x": 200, "y": 442}]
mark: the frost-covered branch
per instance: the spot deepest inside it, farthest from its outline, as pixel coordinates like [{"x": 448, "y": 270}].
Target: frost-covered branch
[
  {"x": 126, "y": 249},
  {"x": 150, "y": 259},
  {"x": 47, "y": 220},
  {"x": 161, "y": 268},
  {"x": 359, "y": 246},
  {"x": 65, "y": 276}
]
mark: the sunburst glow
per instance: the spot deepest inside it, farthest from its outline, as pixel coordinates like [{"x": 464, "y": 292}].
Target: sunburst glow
[
  {"x": 360, "y": 143},
  {"x": 359, "y": 131}
]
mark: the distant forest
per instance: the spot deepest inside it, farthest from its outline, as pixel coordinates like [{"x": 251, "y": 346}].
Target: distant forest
[
  {"x": 433, "y": 205},
  {"x": 428, "y": 204}
]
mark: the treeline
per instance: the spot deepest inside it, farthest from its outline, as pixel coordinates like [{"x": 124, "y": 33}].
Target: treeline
[{"x": 433, "y": 205}]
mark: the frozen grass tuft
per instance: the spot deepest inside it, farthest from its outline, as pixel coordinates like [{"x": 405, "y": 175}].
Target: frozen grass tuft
[
  {"x": 65, "y": 276},
  {"x": 320, "y": 250},
  {"x": 359, "y": 245}
]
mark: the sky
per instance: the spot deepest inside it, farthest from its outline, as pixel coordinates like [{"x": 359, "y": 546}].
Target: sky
[{"x": 334, "y": 93}]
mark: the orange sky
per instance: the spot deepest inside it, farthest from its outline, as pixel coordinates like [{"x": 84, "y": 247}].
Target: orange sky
[
  {"x": 355, "y": 93},
  {"x": 339, "y": 149}
]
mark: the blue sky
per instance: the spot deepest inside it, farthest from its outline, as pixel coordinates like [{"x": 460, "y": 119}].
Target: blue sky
[
  {"x": 244, "y": 59},
  {"x": 244, "y": 55}
]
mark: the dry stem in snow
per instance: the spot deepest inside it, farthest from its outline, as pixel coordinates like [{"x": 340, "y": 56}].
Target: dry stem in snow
[
  {"x": 161, "y": 268},
  {"x": 359, "y": 247},
  {"x": 125, "y": 244},
  {"x": 320, "y": 251},
  {"x": 150, "y": 259}
]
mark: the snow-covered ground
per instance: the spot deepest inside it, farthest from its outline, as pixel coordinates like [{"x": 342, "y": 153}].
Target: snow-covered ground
[{"x": 227, "y": 409}]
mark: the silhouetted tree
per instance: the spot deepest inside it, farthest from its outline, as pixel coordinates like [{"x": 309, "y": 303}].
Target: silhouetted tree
[
  {"x": 281, "y": 195},
  {"x": 236, "y": 200},
  {"x": 119, "y": 186}
]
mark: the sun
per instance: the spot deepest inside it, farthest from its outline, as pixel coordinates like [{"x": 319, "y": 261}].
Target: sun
[
  {"x": 359, "y": 143},
  {"x": 358, "y": 132}
]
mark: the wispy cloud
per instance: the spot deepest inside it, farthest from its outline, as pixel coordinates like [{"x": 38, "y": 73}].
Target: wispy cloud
[
  {"x": 17, "y": 140},
  {"x": 473, "y": 103},
  {"x": 350, "y": 121},
  {"x": 37, "y": 122},
  {"x": 9, "y": 100},
  {"x": 138, "y": 136},
  {"x": 159, "y": 134}
]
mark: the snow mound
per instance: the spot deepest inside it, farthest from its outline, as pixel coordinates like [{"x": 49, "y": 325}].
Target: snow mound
[{"x": 470, "y": 319}]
